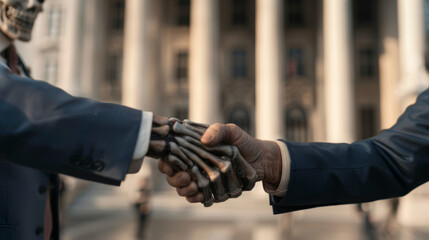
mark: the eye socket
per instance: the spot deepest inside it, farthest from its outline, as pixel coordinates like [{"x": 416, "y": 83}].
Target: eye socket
[{"x": 40, "y": 1}]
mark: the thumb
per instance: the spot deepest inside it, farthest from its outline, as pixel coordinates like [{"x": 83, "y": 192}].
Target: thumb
[{"x": 216, "y": 134}]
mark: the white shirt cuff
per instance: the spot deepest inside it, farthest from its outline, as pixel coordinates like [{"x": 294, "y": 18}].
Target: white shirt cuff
[
  {"x": 142, "y": 144},
  {"x": 284, "y": 181}
]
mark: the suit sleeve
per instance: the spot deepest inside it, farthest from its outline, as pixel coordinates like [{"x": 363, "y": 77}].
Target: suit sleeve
[
  {"x": 45, "y": 128},
  {"x": 388, "y": 165}
]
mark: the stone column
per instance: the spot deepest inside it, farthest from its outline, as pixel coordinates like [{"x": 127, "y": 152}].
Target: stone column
[
  {"x": 70, "y": 47},
  {"x": 204, "y": 102},
  {"x": 339, "y": 95},
  {"x": 138, "y": 84},
  {"x": 319, "y": 117},
  {"x": 413, "y": 78},
  {"x": 139, "y": 81},
  {"x": 269, "y": 56},
  {"x": 93, "y": 60},
  {"x": 389, "y": 63}
]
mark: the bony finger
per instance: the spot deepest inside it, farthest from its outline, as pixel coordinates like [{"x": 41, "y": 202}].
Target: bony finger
[
  {"x": 165, "y": 168},
  {"x": 189, "y": 190},
  {"x": 195, "y": 198},
  {"x": 180, "y": 179}
]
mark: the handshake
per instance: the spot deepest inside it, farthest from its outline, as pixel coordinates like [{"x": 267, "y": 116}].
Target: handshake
[{"x": 210, "y": 164}]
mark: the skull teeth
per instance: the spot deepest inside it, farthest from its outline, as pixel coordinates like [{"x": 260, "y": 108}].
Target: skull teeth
[{"x": 20, "y": 19}]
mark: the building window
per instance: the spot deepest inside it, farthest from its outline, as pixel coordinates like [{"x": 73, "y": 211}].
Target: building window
[
  {"x": 115, "y": 69},
  {"x": 54, "y": 22},
  {"x": 295, "y": 62},
  {"x": 364, "y": 13},
  {"x": 239, "y": 12},
  {"x": 184, "y": 13},
  {"x": 295, "y": 13},
  {"x": 182, "y": 68},
  {"x": 118, "y": 14},
  {"x": 367, "y": 63},
  {"x": 367, "y": 122},
  {"x": 241, "y": 117},
  {"x": 239, "y": 63},
  {"x": 111, "y": 87},
  {"x": 296, "y": 124},
  {"x": 51, "y": 71}
]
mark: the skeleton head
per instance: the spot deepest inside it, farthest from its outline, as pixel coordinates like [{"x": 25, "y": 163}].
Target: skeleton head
[{"x": 17, "y": 17}]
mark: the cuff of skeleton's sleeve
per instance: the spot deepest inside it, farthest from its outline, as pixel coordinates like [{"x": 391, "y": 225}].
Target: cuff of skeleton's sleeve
[
  {"x": 284, "y": 181},
  {"x": 142, "y": 144}
]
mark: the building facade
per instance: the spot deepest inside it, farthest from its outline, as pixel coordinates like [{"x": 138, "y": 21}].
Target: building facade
[
  {"x": 305, "y": 70},
  {"x": 79, "y": 45}
]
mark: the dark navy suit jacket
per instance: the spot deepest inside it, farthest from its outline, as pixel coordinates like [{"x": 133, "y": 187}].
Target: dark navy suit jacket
[
  {"x": 44, "y": 131},
  {"x": 388, "y": 165}
]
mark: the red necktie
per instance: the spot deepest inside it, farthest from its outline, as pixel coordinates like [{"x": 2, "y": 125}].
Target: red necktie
[
  {"x": 12, "y": 59},
  {"x": 48, "y": 217}
]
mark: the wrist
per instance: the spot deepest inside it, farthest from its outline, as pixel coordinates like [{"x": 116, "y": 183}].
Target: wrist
[{"x": 272, "y": 165}]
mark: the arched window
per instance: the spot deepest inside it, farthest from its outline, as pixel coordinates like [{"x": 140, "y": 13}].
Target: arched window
[
  {"x": 296, "y": 124},
  {"x": 241, "y": 117}
]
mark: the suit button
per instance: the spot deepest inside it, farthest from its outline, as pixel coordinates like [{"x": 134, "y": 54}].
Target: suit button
[
  {"x": 39, "y": 230},
  {"x": 88, "y": 164},
  {"x": 77, "y": 160},
  {"x": 98, "y": 166},
  {"x": 42, "y": 189}
]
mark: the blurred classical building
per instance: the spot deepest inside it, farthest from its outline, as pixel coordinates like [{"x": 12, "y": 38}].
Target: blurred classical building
[
  {"x": 307, "y": 70},
  {"x": 158, "y": 55}
]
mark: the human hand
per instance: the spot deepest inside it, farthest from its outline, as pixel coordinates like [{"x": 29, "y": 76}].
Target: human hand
[{"x": 263, "y": 156}]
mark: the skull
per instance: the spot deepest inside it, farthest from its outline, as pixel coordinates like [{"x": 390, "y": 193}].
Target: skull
[{"x": 17, "y": 17}]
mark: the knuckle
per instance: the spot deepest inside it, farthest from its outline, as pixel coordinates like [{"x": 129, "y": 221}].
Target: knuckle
[
  {"x": 171, "y": 181},
  {"x": 216, "y": 128},
  {"x": 183, "y": 179},
  {"x": 200, "y": 197},
  {"x": 180, "y": 191},
  {"x": 193, "y": 188},
  {"x": 184, "y": 191},
  {"x": 232, "y": 129},
  {"x": 216, "y": 125},
  {"x": 193, "y": 199},
  {"x": 165, "y": 168},
  {"x": 232, "y": 126}
]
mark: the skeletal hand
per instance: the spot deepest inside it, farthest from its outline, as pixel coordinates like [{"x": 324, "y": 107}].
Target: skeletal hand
[{"x": 209, "y": 173}]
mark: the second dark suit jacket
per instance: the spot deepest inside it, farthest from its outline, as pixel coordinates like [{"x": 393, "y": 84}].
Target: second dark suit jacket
[{"x": 388, "y": 165}]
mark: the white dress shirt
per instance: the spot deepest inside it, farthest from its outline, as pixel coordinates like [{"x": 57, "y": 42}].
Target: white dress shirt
[{"x": 142, "y": 144}]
